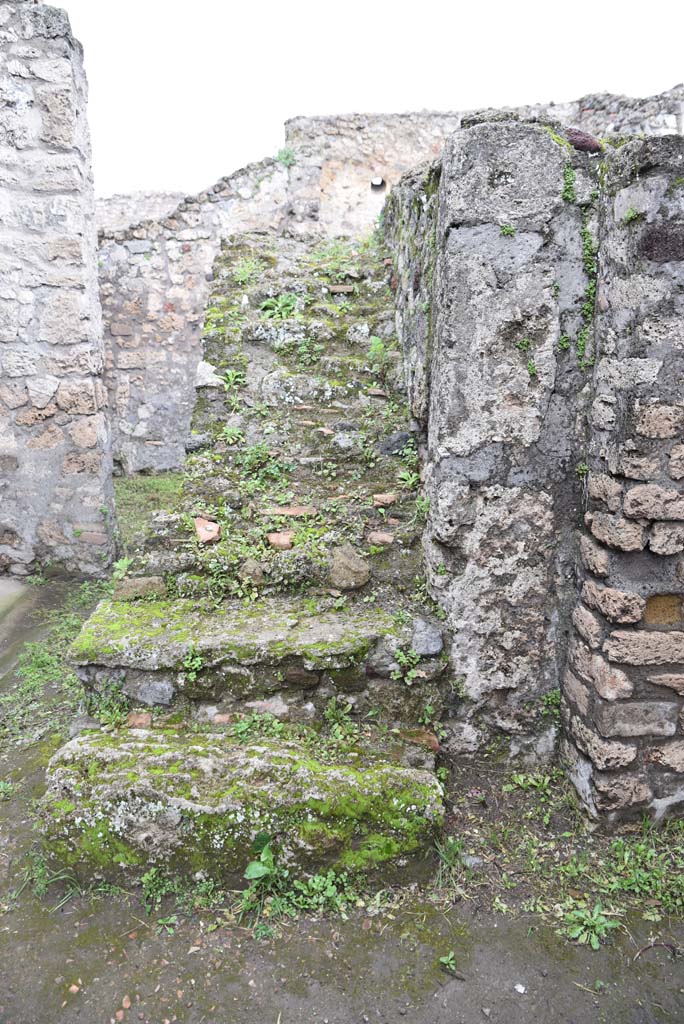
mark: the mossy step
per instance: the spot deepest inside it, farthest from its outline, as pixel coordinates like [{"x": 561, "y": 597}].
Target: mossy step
[
  {"x": 117, "y": 804},
  {"x": 234, "y": 651}
]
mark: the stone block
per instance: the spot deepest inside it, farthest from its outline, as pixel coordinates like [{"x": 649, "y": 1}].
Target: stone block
[
  {"x": 604, "y": 488},
  {"x": 666, "y": 538},
  {"x": 668, "y": 755},
  {"x": 673, "y": 680},
  {"x": 676, "y": 462},
  {"x": 62, "y": 321},
  {"x": 664, "y": 610},
  {"x": 605, "y": 754},
  {"x": 575, "y": 691},
  {"x": 639, "y": 467},
  {"x": 77, "y": 396},
  {"x": 616, "y": 532},
  {"x": 659, "y": 421},
  {"x": 649, "y": 501},
  {"x": 587, "y": 625},
  {"x": 615, "y": 605},
  {"x": 620, "y": 790},
  {"x": 636, "y": 718},
  {"x": 42, "y": 389},
  {"x": 645, "y": 647},
  {"x": 595, "y": 558}
]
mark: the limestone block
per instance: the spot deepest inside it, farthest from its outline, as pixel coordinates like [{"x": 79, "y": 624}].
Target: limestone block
[
  {"x": 639, "y": 467},
  {"x": 62, "y": 321},
  {"x": 77, "y": 396},
  {"x": 673, "y": 680},
  {"x": 624, "y": 789},
  {"x": 668, "y": 755},
  {"x": 676, "y": 462},
  {"x": 42, "y": 389}
]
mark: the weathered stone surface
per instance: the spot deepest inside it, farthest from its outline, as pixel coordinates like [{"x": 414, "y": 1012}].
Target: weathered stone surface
[
  {"x": 605, "y": 754},
  {"x": 595, "y": 558},
  {"x": 660, "y": 421},
  {"x": 617, "y": 532},
  {"x": 637, "y": 718},
  {"x": 645, "y": 647},
  {"x": 676, "y": 462},
  {"x": 638, "y": 467},
  {"x": 348, "y": 570},
  {"x": 666, "y": 538},
  {"x": 668, "y": 755},
  {"x": 604, "y": 488},
  {"x": 135, "y": 587},
  {"x": 575, "y": 691},
  {"x": 244, "y": 652},
  {"x": 615, "y": 605},
  {"x": 426, "y": 638},
  {"x": 649, "y": 501},
  {"x": 116, "y": 805},
  {"x": 672, "y": 680},
  {"x": 620, "y": 790},
  {"x": 587, "y": 625},
  {"x": 609, "y": 682},
  {"x": 50, "y": 325}
]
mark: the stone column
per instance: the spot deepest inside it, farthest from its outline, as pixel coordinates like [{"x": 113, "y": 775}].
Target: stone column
[
  {"x": 55, "y": 466},
  {"x": 501, "y": 439},
  {"x": 624, "y": 685}
]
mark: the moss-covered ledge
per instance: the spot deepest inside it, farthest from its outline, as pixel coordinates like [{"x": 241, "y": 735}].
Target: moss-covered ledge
[
  {"x": 161, "y": 634},
  {"x": 117, "y": 804}
]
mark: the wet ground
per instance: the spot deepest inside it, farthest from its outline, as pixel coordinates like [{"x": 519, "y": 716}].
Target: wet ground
[{"x": 103, "y": 959}]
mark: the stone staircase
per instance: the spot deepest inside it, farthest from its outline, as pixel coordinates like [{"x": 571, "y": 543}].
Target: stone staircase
[{"x": 275, "y": 622}]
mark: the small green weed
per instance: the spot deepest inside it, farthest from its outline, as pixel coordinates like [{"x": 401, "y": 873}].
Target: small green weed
[
  {"x": 588, "y": 927},
  {"x": 286, "y": 156},
  {"x": 280, "y": 307}
]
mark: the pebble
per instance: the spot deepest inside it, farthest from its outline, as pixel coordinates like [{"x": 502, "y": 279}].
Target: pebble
[
  {"x": 382, "y": 500},
  {"x": 380, "y": 538},
  {"x": 207, "y": 531},
  {"x": 282, "y": 540}
]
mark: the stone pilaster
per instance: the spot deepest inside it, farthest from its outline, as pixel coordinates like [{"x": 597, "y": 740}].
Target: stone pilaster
[{"x": 55, "y": 469}]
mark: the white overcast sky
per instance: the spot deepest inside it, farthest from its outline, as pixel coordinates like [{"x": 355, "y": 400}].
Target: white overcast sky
[{"x": 185, "y": 91}]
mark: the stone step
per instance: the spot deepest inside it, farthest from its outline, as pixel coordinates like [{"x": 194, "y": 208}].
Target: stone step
[
  {"x": 118, "y": 804},
  {"x": 159, "y": 650}
]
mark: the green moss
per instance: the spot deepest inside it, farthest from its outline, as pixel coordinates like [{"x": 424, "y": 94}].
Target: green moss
[
  {"x": 137, "y": 496},
  {"x": 358, "y": 809}
]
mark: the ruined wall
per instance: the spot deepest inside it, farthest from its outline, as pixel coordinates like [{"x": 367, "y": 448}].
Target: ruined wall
[
  {"x": 55, "y": 467},
  {"x": 116, "y": 213},
  {"x": 624, "y": 685},
  {"x": 537, "y": 408},
  {"x": 153, "y": 272},
  {"x": 154, "y": 283},
  {"x": 336, "y": 159}
]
